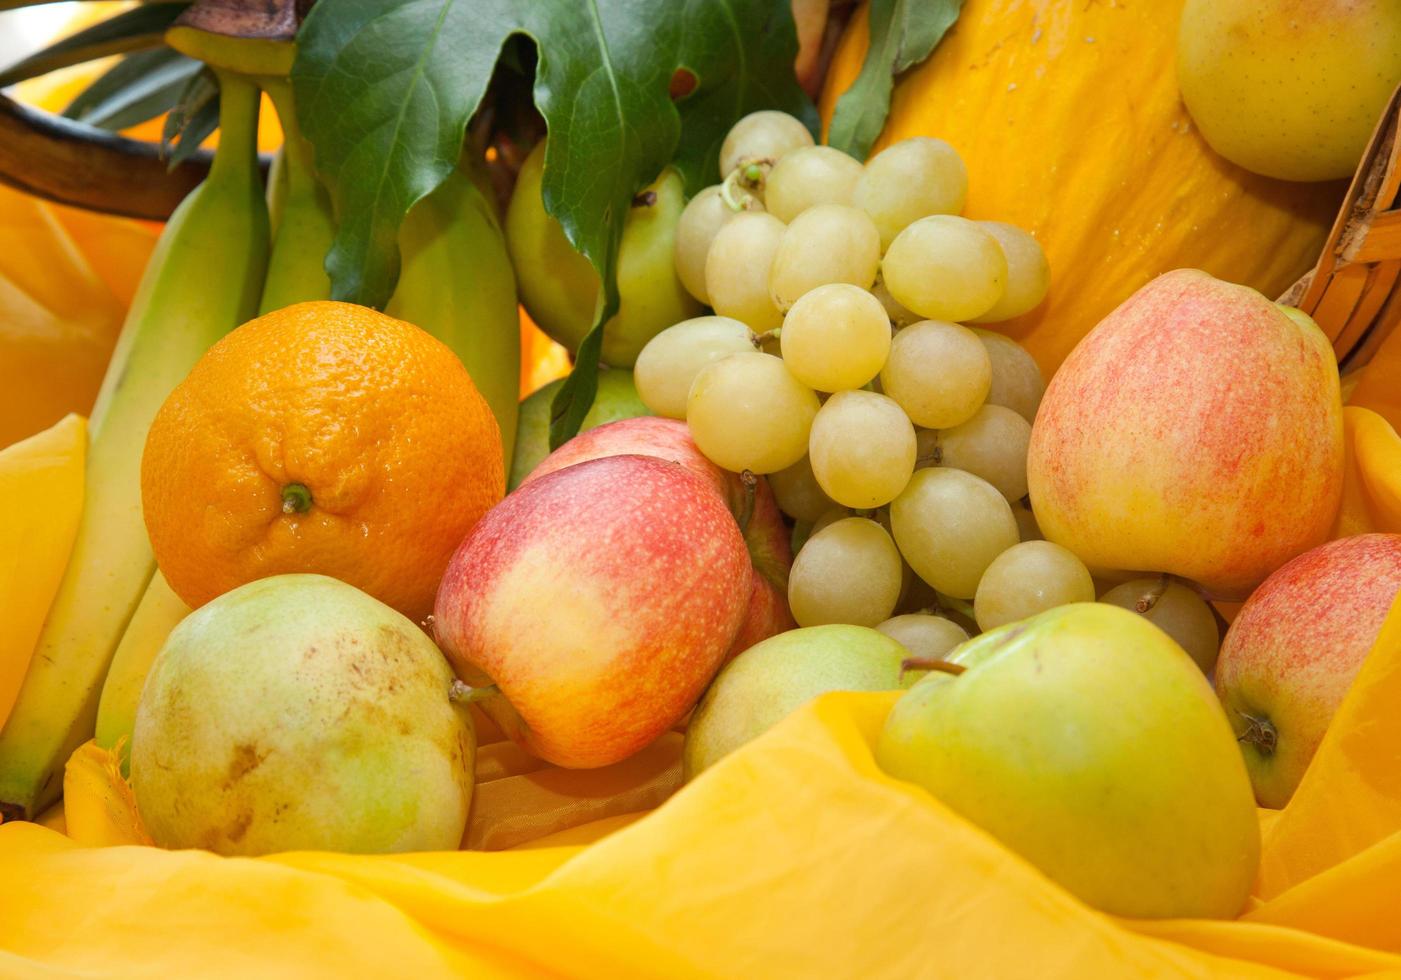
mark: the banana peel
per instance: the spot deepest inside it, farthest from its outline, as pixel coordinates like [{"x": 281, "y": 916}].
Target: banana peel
[
  {"x": 204, "y": 278},
  {"x": 41, "y": 496},
  {"x": 99, "y": 809}
]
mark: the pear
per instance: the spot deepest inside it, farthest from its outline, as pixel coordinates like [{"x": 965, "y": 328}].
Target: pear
[
  {"x": 770, "y": 680},
  {"x": 298, "y": 713},
  {"x": 1088, "y": 741}
]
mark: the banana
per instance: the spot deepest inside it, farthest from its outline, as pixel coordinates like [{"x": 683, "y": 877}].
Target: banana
[
  {"x": 457, "y": 283},
  {"x": 305, "y": 226},
  {"x": 159, "y": 613},
  {"x": 204, "y": 278}
]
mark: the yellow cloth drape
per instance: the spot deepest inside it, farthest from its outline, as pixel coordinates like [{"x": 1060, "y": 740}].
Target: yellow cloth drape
[{"x": 794, "y": 857}]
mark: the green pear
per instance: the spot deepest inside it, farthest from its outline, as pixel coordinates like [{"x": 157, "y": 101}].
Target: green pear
[
  {"x": 775, "y": 677},
  {"x": 298, "y": 713},
  {"x": 617, "y": 398},
  {"x": 1089, "y": 742}
]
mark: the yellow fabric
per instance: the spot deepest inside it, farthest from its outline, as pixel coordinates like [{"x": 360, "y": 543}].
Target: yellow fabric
[
  {"x": 794, "y": 857},
  {"x": 41, "y": 499}
]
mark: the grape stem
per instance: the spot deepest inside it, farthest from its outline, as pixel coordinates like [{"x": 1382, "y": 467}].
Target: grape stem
[
  {"x": 749, "y": 178},
  {"x": 768, "y": 335}
]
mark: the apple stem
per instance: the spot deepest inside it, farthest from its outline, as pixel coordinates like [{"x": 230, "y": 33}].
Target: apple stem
[
  {"x": 1151, "y": 595},
  {"x": 1259, "y": 732},
  {"x": 921, "y": 663},
  {"x": 751, "y": 489},
  {"x": 462, "y": 693}
]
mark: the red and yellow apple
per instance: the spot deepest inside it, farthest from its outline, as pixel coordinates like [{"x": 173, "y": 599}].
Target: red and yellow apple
[
  {"x": 598, "y": 601},
  {"x": 1293, "y": 651},
  {"x": 1196, "y": 430},
  {"x": 752, "y": 505}
]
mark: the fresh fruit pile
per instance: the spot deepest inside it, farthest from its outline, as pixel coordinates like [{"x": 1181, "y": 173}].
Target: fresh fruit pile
[{"x": 314, "y": 551}]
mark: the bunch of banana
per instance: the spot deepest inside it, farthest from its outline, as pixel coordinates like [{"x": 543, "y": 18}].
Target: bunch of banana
[{"x": 217, "y": 264}]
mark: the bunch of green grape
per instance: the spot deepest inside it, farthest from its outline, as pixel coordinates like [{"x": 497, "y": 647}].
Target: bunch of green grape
[{"x": 839, "y": 363}]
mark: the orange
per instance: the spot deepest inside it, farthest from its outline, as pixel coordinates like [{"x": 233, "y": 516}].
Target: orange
[{"x": 323, "y": 437}]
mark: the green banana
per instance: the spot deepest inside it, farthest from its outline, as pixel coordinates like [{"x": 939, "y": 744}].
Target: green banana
[
  {"x": 203, "y": 279},
  {"x": 456, "y": 282},
  {"x": 159, "y": 612},
  {"x": 305, "y": 226}
]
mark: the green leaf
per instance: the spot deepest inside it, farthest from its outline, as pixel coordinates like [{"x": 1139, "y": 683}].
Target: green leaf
[
  {"x": 194, "y": 117},
  {"x": 132, "y": 30},
  {"x": 139, "y": 87},
  {"x": 389, "y": 86},
  {"x": 903, "y": 32}
]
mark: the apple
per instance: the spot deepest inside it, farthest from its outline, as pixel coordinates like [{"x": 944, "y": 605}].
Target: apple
[
  {"x": 1087, "y": 741},
  {"x": 1176, "y": 610},
  {"x": 1294, "y": 649},
  {"x": 298, "y": 713},
  {"x": 1197, "y": 430},
  {"x": 772, "y": 679},
  {"x": 1286, "y": 89},
  {"x": 752, "y": 505},
  {"x": 593, "y": 605},
  {"x": 616, "y": 399}
]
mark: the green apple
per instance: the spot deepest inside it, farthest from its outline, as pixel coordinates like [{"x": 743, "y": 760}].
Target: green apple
[
  {"x": 1089, "y": 742},
  {"x": 559, "y": 288},
  {"x": 298, "y": 713},
  {"x": 772, "y": 679},
  {"x": 1289, "y": 89},
  {"x": 616, "y": 399}
]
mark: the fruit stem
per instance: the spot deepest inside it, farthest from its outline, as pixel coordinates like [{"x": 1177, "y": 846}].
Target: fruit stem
[
  {"x": 751, "y": 488},
  {"x": 942, "y": 666},
  {"x": 1151, "y": 595},
  {"x": 773, "y": 334},
  {"x": 463, "y": 693},
  {"x": 1259, "y": 732},
  {"x": 742, "y": 176},
  {"x": 296, "y": 499}
]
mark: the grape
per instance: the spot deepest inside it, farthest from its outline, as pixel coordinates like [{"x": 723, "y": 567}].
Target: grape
[
  {"x": 828, "y": 243},
  {"x": 672, "y": 359},
  {"x": 835, "y": 337},
  {"x": 899, "y": 316},
  {"x": 849, "y": 572},
  {"x": 809, "y": 176},
  {"x": 746, "y": 412},
  {"x": 1029, "y": 578},
  {"x": 992, "y": 445},
  {"x": 862, "y": 449},
  {"x": 945, "y": 268},
  {"x": 1176, "y": 610},
  {"x": 696, "y": 229},
  {"x": 737, "y": 269},
  {"x": 1028, "y": 274},
  {"x": 798, "y": 493},
  {"x": 763, "y": 136},
  {"x": 1027, "y": 528},
  {"x": 926, "y": 637},
  {"x": 940, "y": 373},
  {"x": 1016, "y": 379},
  {"x": 908, "y": 181},
  {"x": 950, "y": 525}
]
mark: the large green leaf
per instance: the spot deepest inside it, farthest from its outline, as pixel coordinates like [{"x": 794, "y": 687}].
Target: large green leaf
[
  {"x": 131, "y": 30},
  {"x": 389, "y": 85},
  {"x": 903, "y": 32}
]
